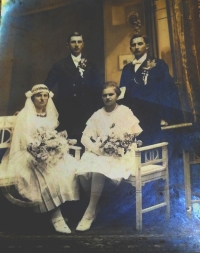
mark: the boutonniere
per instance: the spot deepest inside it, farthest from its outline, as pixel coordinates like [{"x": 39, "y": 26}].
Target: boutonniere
[
  {"x": 150, "y": 64},
  {"x": 82, "y": 63},
  {"x": 82, "y": 66}
]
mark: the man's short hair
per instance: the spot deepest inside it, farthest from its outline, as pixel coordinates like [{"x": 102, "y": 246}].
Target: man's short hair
[
  {"x": 145, "y": 38},
  {"x": 112, "y": 84},
  {"x": 73, "y": 34}
]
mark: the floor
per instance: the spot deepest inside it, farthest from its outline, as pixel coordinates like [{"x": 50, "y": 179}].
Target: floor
[{"x": 22, "y": 230}]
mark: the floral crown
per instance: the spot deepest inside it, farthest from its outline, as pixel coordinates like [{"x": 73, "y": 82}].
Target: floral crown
[{"x": 37, "y": 89}]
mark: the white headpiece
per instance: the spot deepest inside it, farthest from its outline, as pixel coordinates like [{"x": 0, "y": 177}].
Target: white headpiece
[
  {"x": 37, "y": 89},
  {"x": 29, "y": 108}
]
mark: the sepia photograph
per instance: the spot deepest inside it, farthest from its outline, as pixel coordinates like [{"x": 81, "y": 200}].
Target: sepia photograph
[{"x": 100, "y": 126}]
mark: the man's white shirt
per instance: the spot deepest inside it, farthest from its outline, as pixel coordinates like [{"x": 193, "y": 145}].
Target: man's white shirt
[
  {"x": 139, "y": 62},
  {"x": 75, "y": 59}
]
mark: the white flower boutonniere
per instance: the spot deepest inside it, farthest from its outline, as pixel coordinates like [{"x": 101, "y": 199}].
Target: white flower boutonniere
[
  {"x": 82, "y": 66},
  {"x": 150, "y": 64}
]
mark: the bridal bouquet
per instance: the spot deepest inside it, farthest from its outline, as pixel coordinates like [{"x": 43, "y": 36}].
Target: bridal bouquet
[
  {"x": 113, "y": 145},
  {"x": 48, "y": 146}
]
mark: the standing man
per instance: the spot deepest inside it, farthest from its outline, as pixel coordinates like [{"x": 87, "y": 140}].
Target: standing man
[
  {"x": 150, "y": 91},
  {"x": 78, "y": 84}
]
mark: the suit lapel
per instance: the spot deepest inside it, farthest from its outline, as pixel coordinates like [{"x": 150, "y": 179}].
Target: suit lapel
[{"x": 69, "y": 66}]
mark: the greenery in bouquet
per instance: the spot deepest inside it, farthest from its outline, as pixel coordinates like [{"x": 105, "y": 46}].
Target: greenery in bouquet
[
  {"x": 48, "y": 146},
  {"x": 116, "y": 146}
]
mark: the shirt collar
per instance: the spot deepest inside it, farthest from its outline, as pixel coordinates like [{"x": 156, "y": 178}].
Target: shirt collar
[
  {"x": 143, "y": 58},
  {"x": 76, "y": 58}
]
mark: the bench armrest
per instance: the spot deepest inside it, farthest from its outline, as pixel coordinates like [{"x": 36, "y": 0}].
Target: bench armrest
[{"x": 162, "y": 144}]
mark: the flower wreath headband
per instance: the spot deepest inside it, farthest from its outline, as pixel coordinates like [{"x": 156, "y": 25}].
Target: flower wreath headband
[{"x": 37, "y": 89}]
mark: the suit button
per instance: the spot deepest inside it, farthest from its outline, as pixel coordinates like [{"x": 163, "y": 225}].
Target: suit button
[
  {"x": 74, "y": 84},
  {"x": 74, "y": 95}
]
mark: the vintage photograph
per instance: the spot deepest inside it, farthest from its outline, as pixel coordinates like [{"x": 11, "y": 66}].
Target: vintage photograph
[{"x": 100, "y": 126}]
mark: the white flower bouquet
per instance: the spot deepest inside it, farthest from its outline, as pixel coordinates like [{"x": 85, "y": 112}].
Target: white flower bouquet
[
  {"x": 48, "y": 146},
  {"x": 115, "y": 145}
]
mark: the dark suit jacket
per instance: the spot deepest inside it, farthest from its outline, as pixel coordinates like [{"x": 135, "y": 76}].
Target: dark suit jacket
[
  {"x": 157, "y": 99},
  {"x": 77, "y": 97}
]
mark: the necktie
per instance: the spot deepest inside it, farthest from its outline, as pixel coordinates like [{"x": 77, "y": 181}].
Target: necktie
[
  {"x": 137, "y": 64},
  {"x": 76, "y": 61}
]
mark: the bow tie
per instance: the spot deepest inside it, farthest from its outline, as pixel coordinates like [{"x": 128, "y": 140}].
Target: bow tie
[
  {"x": 135, "y": 62},
  {"x": 77, "y": 60}
]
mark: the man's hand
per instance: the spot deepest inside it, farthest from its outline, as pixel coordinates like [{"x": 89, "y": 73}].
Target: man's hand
[{"x": 163, "y": 122}]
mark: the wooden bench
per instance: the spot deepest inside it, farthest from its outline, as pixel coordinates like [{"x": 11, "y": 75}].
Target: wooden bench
[
  {"x": 6, "y": 128},
  {"x": 190, "y": 158},
  {"x": 151, "y": 163}
]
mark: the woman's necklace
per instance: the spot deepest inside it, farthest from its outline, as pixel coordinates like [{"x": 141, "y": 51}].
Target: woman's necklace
[
  {"x": 109, "y": 113},
  {"x": 43, "y": 114}
]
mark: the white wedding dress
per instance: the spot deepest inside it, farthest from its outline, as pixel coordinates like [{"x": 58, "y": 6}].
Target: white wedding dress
[
  {"x": 101, "y": 124},
  {"x": 51, "y": 185}
]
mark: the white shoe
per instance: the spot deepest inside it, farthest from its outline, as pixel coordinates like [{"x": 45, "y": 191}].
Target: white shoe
[
  {"x": 85, "y": 223},
  {"x": 60, "y": 225}
]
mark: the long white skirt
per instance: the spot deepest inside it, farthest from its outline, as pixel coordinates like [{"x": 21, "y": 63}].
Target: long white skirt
[
  {"x": 48, "y": 186},
  {"x": 115, "y": 168}
]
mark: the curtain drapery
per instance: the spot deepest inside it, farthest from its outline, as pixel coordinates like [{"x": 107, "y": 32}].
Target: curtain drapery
[{"x": 186, "y": 37}]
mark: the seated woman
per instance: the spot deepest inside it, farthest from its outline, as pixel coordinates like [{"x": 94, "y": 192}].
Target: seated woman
[
  {"x": 44, "y": 172},
  {"x": 108, "y": 139}
]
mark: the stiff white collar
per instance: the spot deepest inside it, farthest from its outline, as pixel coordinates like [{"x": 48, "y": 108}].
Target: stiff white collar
[
  {"x": 140, "y": 61},
  {"x": 76, "y": 59}
]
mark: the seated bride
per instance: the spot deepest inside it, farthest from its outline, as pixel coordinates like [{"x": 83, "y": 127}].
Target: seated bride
[
  {"x": 109, "y": 141},
  {"x": 38, "y": 158}
]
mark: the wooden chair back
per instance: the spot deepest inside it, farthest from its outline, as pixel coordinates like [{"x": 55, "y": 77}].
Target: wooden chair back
[{"x": 6, "y": 129}]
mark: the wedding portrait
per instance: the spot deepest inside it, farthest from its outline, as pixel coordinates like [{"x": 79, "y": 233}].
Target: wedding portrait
[{"x": 100, "y": 126}]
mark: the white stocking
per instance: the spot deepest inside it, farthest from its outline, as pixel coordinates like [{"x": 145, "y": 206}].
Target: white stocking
[
  {"x": 86, "y": 184},
  {"x": 97, "y": 185}
]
